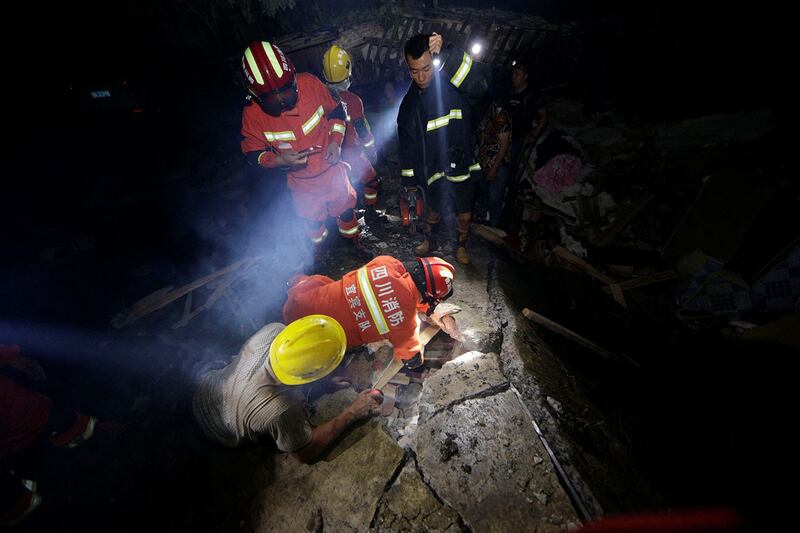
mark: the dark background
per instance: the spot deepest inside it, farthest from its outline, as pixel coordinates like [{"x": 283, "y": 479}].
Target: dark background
[{"x": 126, "y": 178}]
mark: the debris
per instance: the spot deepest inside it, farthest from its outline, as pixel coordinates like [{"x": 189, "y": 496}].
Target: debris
[
  {"x": 490, "y": 235},
  {"x": 624, "y": 219},
  {"x": 555, "y": 404},
  {"x": 572, "y": 244},
  {"x": 448, "y": 448},
  {"x": 580, "y": 264},
  {"x": 163, "y": 297},
  {"x": 586, "y": 343},
  {"x": 644, "y": 281},
  {"x": 400, "y": 379}
]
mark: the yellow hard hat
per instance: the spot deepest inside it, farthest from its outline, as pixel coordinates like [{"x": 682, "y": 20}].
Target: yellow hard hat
[
  {"x": 308, "y": 349},
  {"x": 336, "y": 64}
]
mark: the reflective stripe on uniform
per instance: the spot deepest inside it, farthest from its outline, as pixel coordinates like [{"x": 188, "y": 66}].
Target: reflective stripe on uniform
[
  {"x": 280, "y": 136},
  {"x": 337, "y": 128},
  {"x": 445, "y": 120},
  {"x": 457, "y": 179},
  {"x": 462, "y": 71},
  {"x": 273, "y": 59},
  {"x": 251, "y": 62},
  {"x": 311, "y": 123},
  {"x": 435, "y": 177},
  {"x": 351, "y": 231},
  {"x": 370, "y": 196},
  {"x": 408, "y": 172},
  {"x": 370, "y": 143},
  {"x": 372, "y": 302},
  {"x": 320, "y": 238}
]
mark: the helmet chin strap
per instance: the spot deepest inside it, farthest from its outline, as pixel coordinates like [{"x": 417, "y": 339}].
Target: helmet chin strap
[{"x": 418, "y": 276}]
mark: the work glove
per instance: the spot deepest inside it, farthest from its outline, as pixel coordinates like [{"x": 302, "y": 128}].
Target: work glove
[{"x": 415, "y": 362}]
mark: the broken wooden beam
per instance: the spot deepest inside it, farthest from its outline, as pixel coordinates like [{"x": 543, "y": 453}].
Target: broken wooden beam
[
  {"x": 644, "y": 281},
  {"x": 496, "y": 236},
  {"x": 571, "y": 335},
  {"x": 163, "y": 297},
  {"x": 580, "y": 264}
]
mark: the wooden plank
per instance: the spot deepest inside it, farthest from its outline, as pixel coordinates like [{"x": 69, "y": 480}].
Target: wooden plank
[
  {"x": 162, "y": 297},
  {"x": 616, "y": 293},
  {"x": 644, "y": 281},
  {"x": 427, "y": 332},
  {"x": 395, "y": 365},
  {"x": 571, "y": 335},
  {"x": 484, "y": 232},
  {"x": 624, "y": 219},
  {"x": 579, "y": 263}
]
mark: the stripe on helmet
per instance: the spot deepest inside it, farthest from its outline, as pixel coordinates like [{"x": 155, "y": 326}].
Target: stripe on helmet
[
  {"x": 273, "y": 59},
  {"x": 251, "y": 62}
]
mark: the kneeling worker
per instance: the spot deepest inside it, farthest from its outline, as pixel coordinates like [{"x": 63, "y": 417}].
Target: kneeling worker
[
  {"x": 256, "y": 394},
  {"x": 379, "y": 301}
]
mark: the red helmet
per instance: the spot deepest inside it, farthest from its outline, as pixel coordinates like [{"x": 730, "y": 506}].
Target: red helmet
[
  {"x": 438, "y": 275},
  {"x": 270, "y": 76}
]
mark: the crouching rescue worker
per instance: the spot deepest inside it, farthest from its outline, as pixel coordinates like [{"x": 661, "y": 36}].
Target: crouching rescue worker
[
  {"x": 358, "y": 150},
  {"x": 378, "y": 301},
  {"x": 257, "y": 394},
  {"x": 293, "y": 122}
]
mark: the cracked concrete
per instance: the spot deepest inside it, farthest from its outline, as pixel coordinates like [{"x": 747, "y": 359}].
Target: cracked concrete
[
  {"x": 467, "y": 376},
  {"x": 482, "y": 456},
  {"x": 409, "y": 505}
]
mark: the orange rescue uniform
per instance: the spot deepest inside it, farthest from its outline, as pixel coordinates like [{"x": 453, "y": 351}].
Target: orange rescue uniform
[
  {"x": 319, "y": 189},
  {"x": 376, "y": 302},
  {"x": 359, "y": 146}
]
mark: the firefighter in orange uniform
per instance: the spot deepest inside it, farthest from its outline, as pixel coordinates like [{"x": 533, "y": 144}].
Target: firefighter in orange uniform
[
  {"x": 359, "y": 149},
  {"x": 293, "y": 122},
  {"x": 378, "y": 301}
]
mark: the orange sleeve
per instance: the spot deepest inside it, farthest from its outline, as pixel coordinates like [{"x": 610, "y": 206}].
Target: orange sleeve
[
  {"x": 336, "y": 126},
  {"x": 252, "y": 136}
]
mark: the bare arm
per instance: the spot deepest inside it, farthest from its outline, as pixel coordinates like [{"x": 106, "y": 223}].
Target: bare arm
[
  {"x": 366, "y": 404},
  {"x": 541, "y": 124},
  {"x": 505, "y": 142}
]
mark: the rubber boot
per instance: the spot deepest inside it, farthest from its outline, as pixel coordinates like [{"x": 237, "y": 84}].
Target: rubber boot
[{"x": 429, "y": 243}]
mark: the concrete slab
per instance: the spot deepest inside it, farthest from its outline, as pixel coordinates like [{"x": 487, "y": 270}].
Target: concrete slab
[
  {"x": 468, "y": 375},
  {"x": 483, "y": 458}
]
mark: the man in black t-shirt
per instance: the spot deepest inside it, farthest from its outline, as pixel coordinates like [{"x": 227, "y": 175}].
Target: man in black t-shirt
[
  {"x": 528, "y": 113},
  {"x": 528, "y": 122}
]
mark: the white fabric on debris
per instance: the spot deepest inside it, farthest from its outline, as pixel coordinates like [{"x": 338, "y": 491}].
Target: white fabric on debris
[{"x": 243, "y": 401}]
